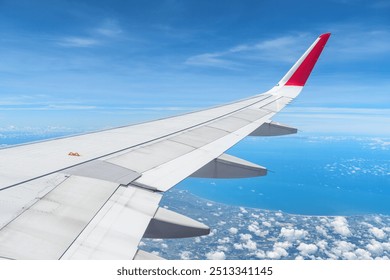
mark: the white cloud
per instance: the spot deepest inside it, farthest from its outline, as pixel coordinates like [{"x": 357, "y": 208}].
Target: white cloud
[
  {"x": 340, "y": 226},
  {"x": 291, "y": 234},
  {"x": 233, "y": 230},
  {"x": 224, "y": 240},
  {"x": 222, "y": 248},
  {"x": 321, "y": 230},
  {"x": 349, "y": 256},
  {"x": 286, "y": 48},
  {"x": 362, "y": 254},
  {"x": 266, "y": 224},
  {"x": 185, "y": 255},
  {"x": 361, "y": 45},
  {"x": 250, "y": 245},
  {"x": 322, "y": 244},
  {"x": 376, "y": 248},
  {"x": 78, "y": 42},
  {"x": 210, "y": 60},
  {"x": 307, "y": 249},
  {"x": 254, "y": 228},
  {"x": 277, "y": 253},
  {"x": 380, "y": 144},
  {"x": 343, "y": 249},
  {"x": 216, "y": 255},
  {"x": 260, "y": 254},
  {"x": 245, "y": 237},
  {"x": 378, "y": 233},
  {"x": 284, "y": 245},
  {"x": 109, "y": 28}
]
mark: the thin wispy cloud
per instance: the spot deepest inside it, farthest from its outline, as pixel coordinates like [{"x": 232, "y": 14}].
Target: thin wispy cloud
[
  {"x": 78, "y": 42},
  {"x": 109, "y": 28},
  {"x": 356, "y": 41},
  {"x": 97, "y": 35},
  {"x": 283, "y": 48}
]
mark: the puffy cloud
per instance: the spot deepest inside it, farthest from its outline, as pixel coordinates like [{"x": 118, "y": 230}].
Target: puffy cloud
[
  {"x": 233, "y": 230},
  {"x": 340, "y": 226},
  {"x": 185, "y": 255},
  {"x": 277, "y": 253},
  {"x": 349, "y": 256},
  {"x": 291, "y": 234},
  {"x": 343, "y": 249},
  {"x": 362, "y": 254},
  {"x": 222, "y": 248},
  {"x": 377, "y": 232},
  {"x": 307, "y": 249},
  {"x": 224, "y": 240},
  {"x": 238, "y": 246},
  {"x": 254, "y": 227},
  {"x": 284, "y": 245},
  {"x": 322, "y": 244},
  {"x": 215, "y": 255},
  {"x": 260, "y": 254},
  {"x": 376, "y": 248},
  {"x": 250, "y": 245},
  {"x": 245, "y": 237},
  {"x": 266, "y": 224},
  {"x": 345, "y": 246},
  {"x": 321, "y": 230}
]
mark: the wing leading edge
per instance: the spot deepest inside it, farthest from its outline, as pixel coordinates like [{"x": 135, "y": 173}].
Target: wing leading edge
[{"x": 100, "y": 204}]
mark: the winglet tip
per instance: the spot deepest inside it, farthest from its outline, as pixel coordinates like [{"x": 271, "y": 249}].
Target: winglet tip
[{"x": 325, "y": 35}]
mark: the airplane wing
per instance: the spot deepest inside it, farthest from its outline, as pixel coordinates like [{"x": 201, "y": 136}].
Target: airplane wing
[{"x": 94, "y": 196}]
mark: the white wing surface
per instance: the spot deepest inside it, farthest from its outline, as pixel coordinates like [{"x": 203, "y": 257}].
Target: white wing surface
[{"x": 94, "y": 196}]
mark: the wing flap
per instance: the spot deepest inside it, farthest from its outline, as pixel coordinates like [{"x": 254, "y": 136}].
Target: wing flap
[
  {"x": 116, "y": 230},
  {"x": 47, "y": 228}
]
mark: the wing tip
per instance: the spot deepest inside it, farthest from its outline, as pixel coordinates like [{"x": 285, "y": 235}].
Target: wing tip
[
  {"x": 303, "y": 70},
  {"x": 325, "y": 35}
]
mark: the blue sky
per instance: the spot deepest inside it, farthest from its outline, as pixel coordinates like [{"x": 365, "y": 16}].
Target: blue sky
[{"x": 82, "y": 65}]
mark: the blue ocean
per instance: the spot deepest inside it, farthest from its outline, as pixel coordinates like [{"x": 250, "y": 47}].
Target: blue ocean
[{"x": 314, "y": 175}]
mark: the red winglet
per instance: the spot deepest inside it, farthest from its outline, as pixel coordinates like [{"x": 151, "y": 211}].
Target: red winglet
[{"x": 301, "y": 74}]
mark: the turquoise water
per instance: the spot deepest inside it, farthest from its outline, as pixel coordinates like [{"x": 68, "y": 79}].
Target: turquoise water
[{"x": 308, "y": 175}]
